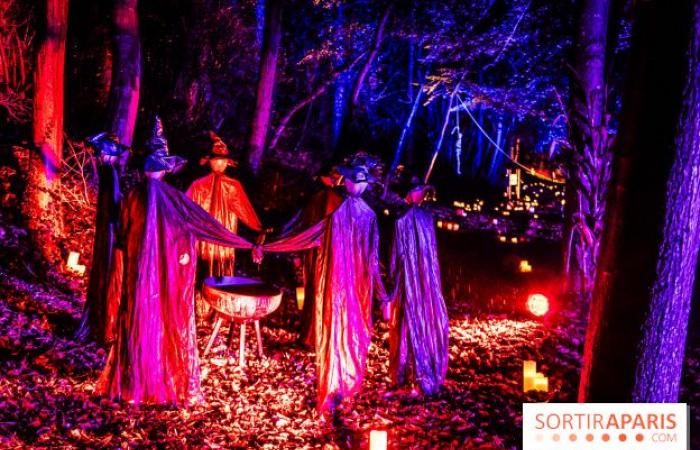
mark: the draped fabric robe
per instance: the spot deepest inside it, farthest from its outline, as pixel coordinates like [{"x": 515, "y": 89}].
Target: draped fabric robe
[
  {"x": 319, "y": 206},
  {"x": 154, "y": 357},
  {"x": 346, "y": 276},
  {"x": 97, "y": 321},
  {"x": 419, "y": 323},
  {"x": 225, "y": 199}
]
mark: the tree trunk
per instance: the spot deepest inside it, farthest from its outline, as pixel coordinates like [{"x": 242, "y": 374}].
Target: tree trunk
[
  {"x": 378, "y": 38},
  {"x": 340, "y": 91},
  {"x": 495, "y": 157},
  {"x": 408, "y": 126},
  {"x": 42, "y": 211},
  {"x": 126, "y": 71},
  {"x": 259, "y": 23},
  {"x": 630, "y": 245},
  {"x": 266, "y": 84},
  {"x": 316, "y": 93},
  {"x": 592, "y": 156},
  {"x": 664, "y": 334},
  {"x": 48, "y": 88}
]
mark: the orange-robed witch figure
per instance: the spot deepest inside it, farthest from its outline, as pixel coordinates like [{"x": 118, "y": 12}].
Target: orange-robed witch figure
[
  {"x": 154, "y": 357},
  {"x": 225, "y": 199}
]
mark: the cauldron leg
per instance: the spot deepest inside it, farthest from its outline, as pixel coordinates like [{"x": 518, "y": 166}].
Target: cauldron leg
[
  {"x": 241, "y": 350},
  {"x": 217, "y": 325},
  {"x": 231, "y": 331},
  {"x": 257, "y": 332}
]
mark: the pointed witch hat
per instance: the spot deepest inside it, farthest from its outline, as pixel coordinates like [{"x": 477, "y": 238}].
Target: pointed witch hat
[
  {"x": 159, "y": 159},
  {"x": 106, "y": 144},
  {"x": 219, "y": 150},
  {"x": 419, "y": 194}
]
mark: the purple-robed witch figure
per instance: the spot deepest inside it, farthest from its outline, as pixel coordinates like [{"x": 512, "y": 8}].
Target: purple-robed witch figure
[
  {"x": 97, "y": 321},
  {"x": 154, "y": 357},
  {"x": 346, "y": 277},
  {"x": 419, "y": 325}
]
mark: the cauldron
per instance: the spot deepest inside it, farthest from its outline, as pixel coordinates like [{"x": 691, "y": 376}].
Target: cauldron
[{"x": 240, "y": 300}]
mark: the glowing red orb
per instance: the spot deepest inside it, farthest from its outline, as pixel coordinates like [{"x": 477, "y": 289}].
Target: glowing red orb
[{"x": 538, "y": 304}]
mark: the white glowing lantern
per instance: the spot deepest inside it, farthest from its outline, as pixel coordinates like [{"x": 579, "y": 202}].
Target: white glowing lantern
[
  {"x": 532, "y": 379},
  {"x": 538, "y": 304},
  {"x": 377, "y": 440},
  {"x": 529, "y": 372},
  {"x": 73, "y": 265},
  {"x": 541, "y": 383}
]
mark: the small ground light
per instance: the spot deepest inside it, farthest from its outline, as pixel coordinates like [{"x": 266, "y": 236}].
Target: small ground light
[
  {"x": 538, "y": 304},
  {"x": 525, "y": 266}
]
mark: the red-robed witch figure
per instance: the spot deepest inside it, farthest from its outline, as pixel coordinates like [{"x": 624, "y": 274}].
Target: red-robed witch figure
[
  {"x": 346, "y": 279},
  {"x": 419, "y": 324},
  {"x": 225, "y": 199},
  {"x": 97, "y": 321},
  {"x": 319, "y": 206},
  {"x": 154, "y": 357}
]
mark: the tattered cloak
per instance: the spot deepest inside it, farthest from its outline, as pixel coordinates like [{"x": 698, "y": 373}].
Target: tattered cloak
[
  {"x": 346, "y": 277},
  {"x": 419, "y": 324},
  {"x": 319, "y": 206},
  {"x": 226, "y": 200},
  {"x": 154, "y": 357}
]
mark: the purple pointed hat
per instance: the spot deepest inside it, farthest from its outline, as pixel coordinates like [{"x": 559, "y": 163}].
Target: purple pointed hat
[
  {"x": 160, "y": 160},
  {"x": 106, "y": 144}
]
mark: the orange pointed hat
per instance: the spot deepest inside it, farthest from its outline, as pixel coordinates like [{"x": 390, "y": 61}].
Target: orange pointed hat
[{"x": 219, "y": 150}]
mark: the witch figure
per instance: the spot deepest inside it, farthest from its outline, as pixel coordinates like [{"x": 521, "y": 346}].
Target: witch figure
[
  {"x": 225, "y": 199},
  {"x": 97, "y": 321},
  {"x": 154, "y": 357},
  {"x": 319, "y": 206},
  {"x": 346, "y": 278},
  {"x": 419, "y": 324}
]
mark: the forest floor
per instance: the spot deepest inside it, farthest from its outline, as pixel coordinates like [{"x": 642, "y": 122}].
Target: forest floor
[{"x": 47, "y": 379}]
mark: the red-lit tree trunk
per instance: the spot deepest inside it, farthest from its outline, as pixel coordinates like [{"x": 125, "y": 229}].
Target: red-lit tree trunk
[
  {"x": 126, "y": 71},
  {"x": 590, "y": 174},
  {"x": 666, "y": 326},
  {"x": 643, "y": 157},
  {"x": 48, "y": 88},
  {"x": 266, "y": 84},
  {"x": 42, "y": 211}
]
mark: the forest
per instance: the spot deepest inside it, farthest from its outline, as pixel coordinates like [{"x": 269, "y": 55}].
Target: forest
[{"x": 424, "y": 197}]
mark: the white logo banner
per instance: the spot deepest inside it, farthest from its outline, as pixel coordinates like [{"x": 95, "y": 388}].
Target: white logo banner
[{"x": 605, "y": 426}]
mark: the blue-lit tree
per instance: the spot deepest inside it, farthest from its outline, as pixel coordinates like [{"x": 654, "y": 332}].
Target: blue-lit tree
[
  {"x": 635, "y": 341},
  {"x": 501, "y": 70},
  {"x": 591, "y": 141},
  {"x": 666, "y": 326}
]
